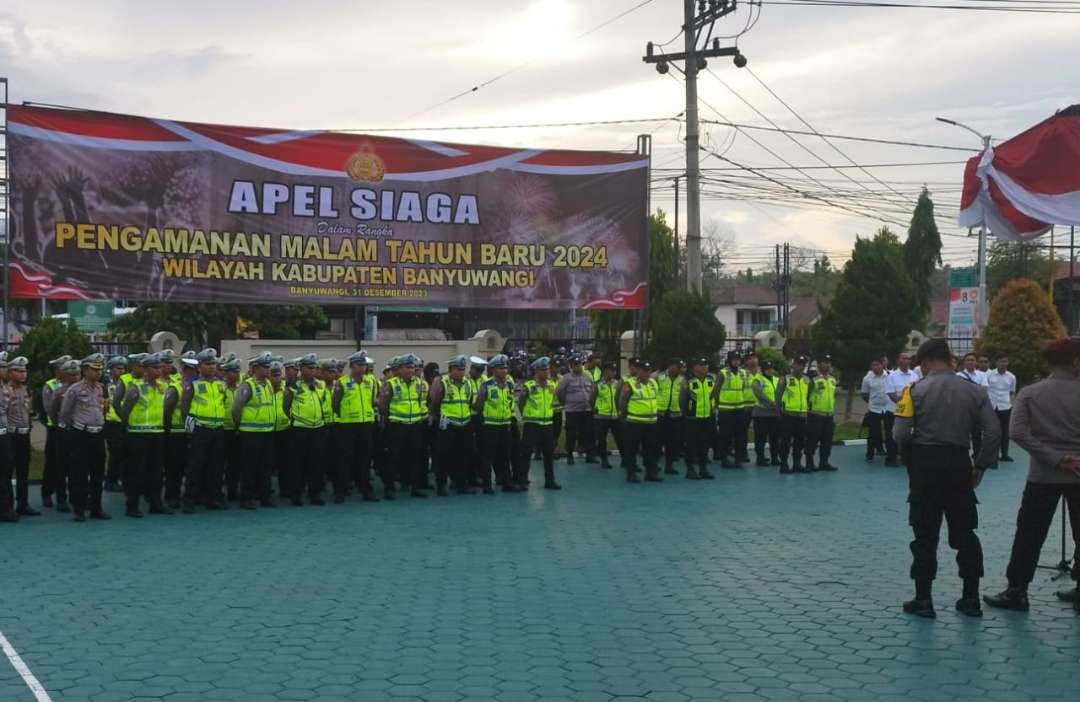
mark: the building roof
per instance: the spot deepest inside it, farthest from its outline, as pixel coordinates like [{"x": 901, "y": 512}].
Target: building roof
[
  {"x": 743, "y": 295},
  {"x": 804, "y": 312}
]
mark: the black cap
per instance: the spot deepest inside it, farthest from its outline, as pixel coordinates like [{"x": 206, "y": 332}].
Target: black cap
[
  {"x": 824, "y": 357},
  {"x": 733, "y": 354},
  {"x": 644, "y": 365},
  {"x": 801, "y": 360},
  {"x": 610, "y": 366},
  {"x": 675, "y": 362},
  {"x": 765, "y": 365},
  {"x": 700, "y": 362}
]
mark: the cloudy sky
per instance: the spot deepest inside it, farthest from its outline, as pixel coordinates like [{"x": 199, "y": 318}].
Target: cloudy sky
[{"x": 883, "y": 73}]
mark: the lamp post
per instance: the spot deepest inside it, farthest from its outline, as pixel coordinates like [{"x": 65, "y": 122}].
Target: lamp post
[{"x": 983, "y": 302}]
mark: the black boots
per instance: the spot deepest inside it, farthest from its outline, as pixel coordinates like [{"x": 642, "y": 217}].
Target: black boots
[
  {"x": 921, "y": 608},
  {"x": 1014, "y": 598}
]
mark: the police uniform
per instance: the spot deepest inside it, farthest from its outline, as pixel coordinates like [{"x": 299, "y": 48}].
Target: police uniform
[
  {"x": 18, "y": 433},
  {"x": 450, "y": 408},
  {"x": 203, "y": 409},
  {"x": 115, "y": 439},
  {"x": 537, "y": 405},
  {"x": 819, "y": 420},
  {"x": 605, "y": 416},
  {"x": 83, "y": 413},
  {"x": 230, "y": 370},
  {"x": 70, "y": 375},
  {"x": 638, "y": 410},
  {"x": 730, "y": 405},
  {"x": 669, "y": 419},
  {"x": 175, "y": 438},
  {"x": 698, "y": 403},
  {"x": 934, "y": 422},
  {"x": 354, "y": 399},
  {"x": 143, "y": 412},
  {"x": 404, "y": 405},
  {"x": 306, "y": 404},
  {"x": 7, "y": 497},
  {"x": 477, "y": 371},
  {"x": 766, "y": 417},
  {"x": 793, "y": 399},
  {"x": 53, "y": 481},
  {"x": 495, "y": 404}
]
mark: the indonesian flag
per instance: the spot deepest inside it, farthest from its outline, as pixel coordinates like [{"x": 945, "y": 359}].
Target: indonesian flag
[{"x": 1021, "y": 187}]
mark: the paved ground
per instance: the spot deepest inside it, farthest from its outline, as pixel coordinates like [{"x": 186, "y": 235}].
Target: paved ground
[{"x": 755, "y": 586}]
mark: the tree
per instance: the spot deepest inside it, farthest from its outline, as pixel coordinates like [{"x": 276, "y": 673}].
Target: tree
[
  {"x": 1022, "y": 320},
  {"x": 608, "y": 325},
  {"x": 206, "y": 324},
  {"x": 874, "y": 309},
  {"x": 780, "y": 361},
  {"x": 922, "y": 253},
  {"x": 684, "y": 326},
  {"x": 1009, "y": 260},
  {"x": 48, "y": 339},
  {"x": 819, "y": 284}
]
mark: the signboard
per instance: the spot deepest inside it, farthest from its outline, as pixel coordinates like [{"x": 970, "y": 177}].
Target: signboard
[
  {"x": 144, "y": 209},
  {"x": 963, "y": 306},
  {"x": 93, "y": 316},
  {"x": 963, "y": 278}
]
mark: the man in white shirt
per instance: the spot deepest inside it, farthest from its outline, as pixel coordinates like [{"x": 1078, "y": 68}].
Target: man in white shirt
[
  {"x": 879, "y": 416},
  {"x": 902, "y": 376},
  {"x": 1001, "y": 384},
  {"x": 970, "y": 372}
]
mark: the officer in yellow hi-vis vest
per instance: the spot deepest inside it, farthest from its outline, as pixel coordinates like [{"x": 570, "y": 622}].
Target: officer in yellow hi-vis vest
[
  {"x": 255, "y": 415},
  {"x": 638, "y": 412},
  {"x": 606, "y": 412},
  {"x": 698, "y": 404},
  {"x": 819, "y": 421},
  {"x": 115, "y": 438},
  {"x": 354, "y": 397},
  {"x": 537, "y": 405},
  {"x": 766, "y": 415},
  {"x": 742, "y": 432},
  {"x": 669, "y": 427},
  {"x": 793, "y": 399},
  {"x": 175, "y": 440},
  {"x": 450, "y": 405},
  {"x": 495, "y": 403},
  {"x": 203, "y": 407},
  {"x": 732, "y": 383},
  {"x": 403, "y": 405},
  {"x": 144, "y": 413},
  {"x": 305, "y": 406}
]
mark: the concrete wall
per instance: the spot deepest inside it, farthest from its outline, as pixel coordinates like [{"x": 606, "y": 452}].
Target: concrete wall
[{"x": 382, "y": 351}]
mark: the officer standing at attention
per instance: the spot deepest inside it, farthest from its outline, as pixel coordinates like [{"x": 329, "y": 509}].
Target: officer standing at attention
[
  {"x": 536, "y": 403},
  {"x": 793, "y": 399},
  {"x": 143, "y": 412},
  {"x": 83, "y": 412},
  {"x": 669, "y": 420},
  {"x": 203, "y": 408},
  {"x": 766, "y": 415},
  {"x": 404, "y": 405},
  {"x": 353, "y": 400},
  {"x": 69, "y": 375},
  {"x": 606, "y": 412},
  {"x": 698, "y": 403},
  {"x": 934, "y": 423},
  {"x": 253, "y": 412},
  {"x": 742, "y": 436},
  {"x": 304, "y": 405},
  {"x": 477, "y": 377},
  {"x": 49, "y": 477},
  {"x": 573, "y": 392},
  {"x": 819, "y": 421},
  {"x": 18, "y": 426},
  {"x": 7, "y": 497},
  {"x": 450, "y": 408},
  {"x": 495, "y": 403},
  {"x": 114, "y": 428},
  {"x": 175, "y": 436},
  {"x": 729, "y": 407},
  {"x": 230, "y": 375},
  {"x": 638, "y": 412}
]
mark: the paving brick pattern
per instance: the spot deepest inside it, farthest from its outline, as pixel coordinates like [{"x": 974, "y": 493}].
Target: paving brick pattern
[{"x": 754, "y": 586}]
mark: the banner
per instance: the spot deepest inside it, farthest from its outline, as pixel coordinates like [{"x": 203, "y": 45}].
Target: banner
[
  {"x": 109, "y": 206},
  {"x": 963, "y": 321}
]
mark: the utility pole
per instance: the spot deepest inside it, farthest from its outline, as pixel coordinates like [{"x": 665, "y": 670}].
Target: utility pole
[
  {"x": 698, "y": 19},
  {"x": 677, "y": 266}
]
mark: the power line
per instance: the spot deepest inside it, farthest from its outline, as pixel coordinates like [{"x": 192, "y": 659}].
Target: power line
[
  {"x": 532, "y": 125},
  {"x": 1048, "y": 9},
  {"x": 871, "y": 140},
  {"x": 807, "y": 168}
]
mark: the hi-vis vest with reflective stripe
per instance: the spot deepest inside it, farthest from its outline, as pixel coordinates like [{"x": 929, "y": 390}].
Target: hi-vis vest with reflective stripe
[
  {"x": 176, "y": 381},
  {"x": 749, "y": 399},
  {"x": 539, "y": 405},
  {"x": 457, "y": 401},
  {"x": 208, "y": 403},
  {"x": 357, "y": 400},
  {"x": 668, "y": 390},
  {"x": 307, "y": 405},
  {"x": 110, "y": 413},
  {"x": 498, "y": 403},
  {"x": 259, "y": 414},
  {"x": 281, "y": 420},
  {"x": 701, "y": 396},
  {"x": 823, "y": 398},
  {"x": 476, "y": 383},
  {"x": 768, "y": 389},
  {"x": 148, "y": 414},
  {"x": 641, "y": 405},
  {"x": 408, "y": 401},
  {"x": 731, "y": 391},
  {"x": 328, "y": 402},
  {"x": 54, "y": 385},
  {"x": 605, "y": 400},
  {"x": 594, "y": 374},
  {"x": 796, "y": 395},
  {"x": 230, "y": 395}
]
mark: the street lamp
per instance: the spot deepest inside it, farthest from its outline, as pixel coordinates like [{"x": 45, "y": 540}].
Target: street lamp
[{"x": 983, "y": 302}]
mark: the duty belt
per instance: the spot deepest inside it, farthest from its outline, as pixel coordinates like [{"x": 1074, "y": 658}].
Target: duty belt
[
  {"x": 88, "y": 430},
  {"x": 3, "y": 431},
  {"x": 22, "y": 430}
]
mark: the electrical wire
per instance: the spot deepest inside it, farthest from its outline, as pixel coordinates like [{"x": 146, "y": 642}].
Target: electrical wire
[{"x": 1031, "y": 9}]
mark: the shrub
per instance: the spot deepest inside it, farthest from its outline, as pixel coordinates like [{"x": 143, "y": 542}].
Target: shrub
[
  {"x": 48, "y": 339},
  {"x": 684, "y": 325},
  {"x": 1022, "y": 320}
]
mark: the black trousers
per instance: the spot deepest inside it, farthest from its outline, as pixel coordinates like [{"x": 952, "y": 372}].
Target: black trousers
[
  {"x": 205, "y": 464},
  {"x": 536, "y": 437},
  {"x": 727, "y": 427},
  {"x": 670, "y": 437},
  {"x": 578, "y": 432},
  {"x": 476, "y": 470},
  {"x": 742, "y": 434},
  {"x": 601, "y": 428},
  {"x": 640, "y": 439},
  {"x": 233, "y": 464},
  {"x": 20, "y": 464},
  {"x": 1037, "y": 510},
  {"x": 881, "y": 435},
  {"x": 116, "y": 442},
  {"x": 556, "y": 426},
  {"x": 408, "y": 454},
  {"x": 354, "y": 445},
  {"x": 454, "y": 456},
  {"x": 381, "y": 452},
  {"x": 7, "y": 497},
  {"x": 792, "y": 438},
  {"x": 306, "y": 468},
  {"x": 175, "y": 462},
  {"x": 940, "y": 485},
  {"x": 54, "y": 474},
  {"x": 1003, "y": 419},
  {"x": 87, "y": 470},
  {"x": 699, "y": 439},
  {"x": 767, "y": 431},
  {"x": 143, "y": 474},
  {"x": 281, "y": 458},
  {"x": 497, "y": 455},
  {"x": 819, "y": 436}
]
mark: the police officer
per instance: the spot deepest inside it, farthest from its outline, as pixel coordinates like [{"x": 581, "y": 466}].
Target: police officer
[
  {"x": 69, "y": 375},
  {"x": 742, "y": 434},
  {"x": 638, "y": 412},
  {"x": 572, "y": 393},
  {"x": 254, "y": 414},
  {"x": 354, "y": 399},
  {"x": 766, "y": 415},
  {"x": 404, "y": 405},
  {"x": 115, "y": 439},
  {"x": 230, "y": 374},
  {"x": 819, "y": 421},
  {"x": 303, "y": 402},
  {"x": 477, "y": 376},
  {"x": 605, "y": 411},
  {"x": 282, "y": 422},
  {"x": 729, "y": 410},
  {"x": 537, "y": 405},
  {"x": 143, "y": 412},
  {"x": 934, "y": 423},
  {"x": 793, "y": 399},
  {"x": 669, "y": 420},
  {"x": 18, "y": 426},
  {"x": 175, "y": 438},
  {"x": 83, "y": 412},
  {"x": 698, "y": 403},
  {"x": 495, "y": 404},
  {"x": 52, "y": 480},
  {"x": 203, "y": 409},
  {"x": 7, "y": 497},
  {"x": 450, "y": 409}
]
